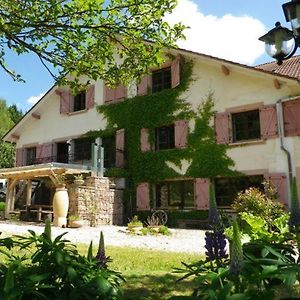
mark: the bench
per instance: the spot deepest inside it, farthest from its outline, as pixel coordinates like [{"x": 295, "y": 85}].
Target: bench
[
  {"x": 37, "y": 212},
  {"x": 192, "y": 224}
]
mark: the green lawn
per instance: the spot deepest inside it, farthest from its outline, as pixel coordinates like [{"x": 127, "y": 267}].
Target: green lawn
[{"x": 148, "y": 273}]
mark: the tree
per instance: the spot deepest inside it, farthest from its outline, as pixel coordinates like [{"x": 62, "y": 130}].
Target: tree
[
  {"x": 15, "y": 113},
  {"x": 8, "y": 116},
  {"x": 84, "y": 37}
]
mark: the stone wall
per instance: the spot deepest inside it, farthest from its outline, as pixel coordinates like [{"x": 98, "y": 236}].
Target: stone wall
[{"x": 97, "y": 202}]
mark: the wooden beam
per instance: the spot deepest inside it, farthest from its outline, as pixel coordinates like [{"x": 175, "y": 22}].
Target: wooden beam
[
  {"x": 277, "y": 84},
  {"x": 15, "y": 136},
  {"x": 36, "y": 116},
  {"x": 225, "y": 70}
]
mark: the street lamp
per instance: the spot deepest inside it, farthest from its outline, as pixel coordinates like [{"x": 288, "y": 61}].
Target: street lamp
[{"x": 280, "y": 42}]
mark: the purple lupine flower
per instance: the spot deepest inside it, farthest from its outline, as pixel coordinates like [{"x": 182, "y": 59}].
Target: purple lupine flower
[
  {"x": 236, "y": 251},
  {"x": 101, "y": 257},
  {"x": 215, "y": 244}
]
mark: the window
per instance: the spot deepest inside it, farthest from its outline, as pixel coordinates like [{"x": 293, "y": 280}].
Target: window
[
  {"x": 79, "y": 101},
  {"x": 175, "y": 194},
  {"x": 164, "y": 137},
  {"x": 30, "y": 156},
  {"x": 62, "y": 154},
  {"x": 161, "y": 80},
  {"x": 83, "y": 149},
  {"x": 109, "y": 145},
  {"x": 227, "y": 188},
  {"x": 246, "y": 126}
]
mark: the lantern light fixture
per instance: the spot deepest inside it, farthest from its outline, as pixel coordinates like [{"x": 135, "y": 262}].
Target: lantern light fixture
[{"x": 280, "y": 42}]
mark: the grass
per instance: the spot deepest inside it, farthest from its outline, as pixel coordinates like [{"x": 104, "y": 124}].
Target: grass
[{"x": 148, "y": 273}]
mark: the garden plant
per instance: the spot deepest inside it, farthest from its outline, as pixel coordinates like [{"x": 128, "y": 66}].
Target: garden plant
[
  {"x": 39, "y": 267},
  {"x": 264, "y": 258}
]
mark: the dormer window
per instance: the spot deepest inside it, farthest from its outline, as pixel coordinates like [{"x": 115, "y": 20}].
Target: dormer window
[
  {"x": 79, "y": 101},
  {"x": 161, "y": 79}
]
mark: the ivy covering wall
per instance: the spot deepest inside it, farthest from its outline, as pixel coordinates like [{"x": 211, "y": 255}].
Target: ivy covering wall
[{"x": 206, "y": 158}]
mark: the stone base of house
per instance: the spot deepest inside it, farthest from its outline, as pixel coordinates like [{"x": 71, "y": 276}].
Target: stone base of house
[{"x": 97, "y": 202}]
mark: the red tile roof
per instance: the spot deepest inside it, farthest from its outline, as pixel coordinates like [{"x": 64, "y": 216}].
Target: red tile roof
[{"x": 289, "y": 67}]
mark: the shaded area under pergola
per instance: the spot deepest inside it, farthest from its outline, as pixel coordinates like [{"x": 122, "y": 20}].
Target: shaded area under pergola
[{"x": 35, "y": 172}]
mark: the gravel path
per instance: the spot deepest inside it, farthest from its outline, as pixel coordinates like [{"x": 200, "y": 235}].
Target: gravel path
[{"x": 180, "y": 240}]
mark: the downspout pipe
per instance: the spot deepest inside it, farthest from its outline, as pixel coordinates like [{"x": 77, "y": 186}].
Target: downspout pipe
[{"x": 280, "y": 126}]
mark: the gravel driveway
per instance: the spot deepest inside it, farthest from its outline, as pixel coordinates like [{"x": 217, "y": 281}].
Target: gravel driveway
[{"x": 180, "y": 240}]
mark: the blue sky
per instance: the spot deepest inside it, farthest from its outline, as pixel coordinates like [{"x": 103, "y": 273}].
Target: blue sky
[{"x": 223, "y": 28}]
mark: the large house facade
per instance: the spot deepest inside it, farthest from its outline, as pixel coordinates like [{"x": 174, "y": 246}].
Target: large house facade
[{"x": 257, "y": 114}]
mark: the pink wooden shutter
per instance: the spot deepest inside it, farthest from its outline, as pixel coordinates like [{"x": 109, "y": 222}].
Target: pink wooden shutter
[
  {"x": 291, "y": 113},
  {"x": 144, "y": 85},
  {"x": 175, "y": 72},
  {"x": 201, "y": 193},
  {"x": 120, "y": 92},
  {"x": 145, "y": 145},
  {"x": 279, "y": 181},
  {"x": 120, "y": 140},
  {"x": 19, "y": 157},
  {"x": 109, "y": 94},
  {"x": 268, "y": 121},
  {"x": 117, "y": 93},
  {"x": 65, "y": 102},
  {"x": 39, "y": 153},
  {"x": 47, "y": 152},
  {"x": 90, "y": 96},
  {"x": 222, "y": 127},
  {"x": 142, "y": 196},
  {"x": 181, "y": 133}
]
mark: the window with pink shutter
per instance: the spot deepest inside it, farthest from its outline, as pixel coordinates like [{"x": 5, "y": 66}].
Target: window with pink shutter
[
  {"x": 279, "y": 181},
  {"x": 120, "y": 147},
  {"x": 222, "y": 127},
  {"x": 268, "y": 121},
  {"x": 181, "y": 133},
  {"x": 142, "y": 196},
  {"x": 114, "y": 94},
  {"x": 291, "y": 113},
  {"x": 90, "y": 96},
  {"x": 145, "y": 145},
  {"x": 201, "y": 186}
]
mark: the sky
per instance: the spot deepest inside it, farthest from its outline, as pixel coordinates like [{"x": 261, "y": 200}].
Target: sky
[{"x": 227, "y": 29}]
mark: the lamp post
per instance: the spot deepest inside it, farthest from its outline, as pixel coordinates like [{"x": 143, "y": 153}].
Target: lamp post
[{"x": 280, "y": 42}]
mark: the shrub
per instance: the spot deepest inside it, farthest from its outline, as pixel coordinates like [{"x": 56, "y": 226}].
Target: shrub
[
  {"x": 259, "y": 204},
  {"x": 2, "y": 206},
  {"x": 37, "y": 267}
]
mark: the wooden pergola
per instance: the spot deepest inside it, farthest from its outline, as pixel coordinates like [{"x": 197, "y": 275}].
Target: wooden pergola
[{"x": 35, "y": 172}]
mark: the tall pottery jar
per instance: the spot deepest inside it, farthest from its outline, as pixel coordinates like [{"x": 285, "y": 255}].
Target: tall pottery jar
[{"x": 60, "y": 206}]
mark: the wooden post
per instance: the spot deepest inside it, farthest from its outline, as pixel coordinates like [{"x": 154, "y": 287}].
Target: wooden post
[
  {"x": 28, "y": 192},
  {"x": 7, "y": 199},
  {"x": 13, "y": 195}
]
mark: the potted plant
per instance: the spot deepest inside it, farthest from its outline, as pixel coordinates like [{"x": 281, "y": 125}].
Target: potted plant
[
  {"x": 135, "y": 224},
  {"x": 74, "y": 221},
  {"x": 78, "y": 180}
]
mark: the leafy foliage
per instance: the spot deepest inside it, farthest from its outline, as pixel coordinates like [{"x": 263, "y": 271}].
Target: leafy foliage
[
  {"x": 266, "y": 268},
  {"x": 84, "y": 37},
  {"x": 8, "y": 116},
  {"x": 262, "y": 204},
  {"x": 46, "y": 268},
  {"x": 208, "y": 159}
]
